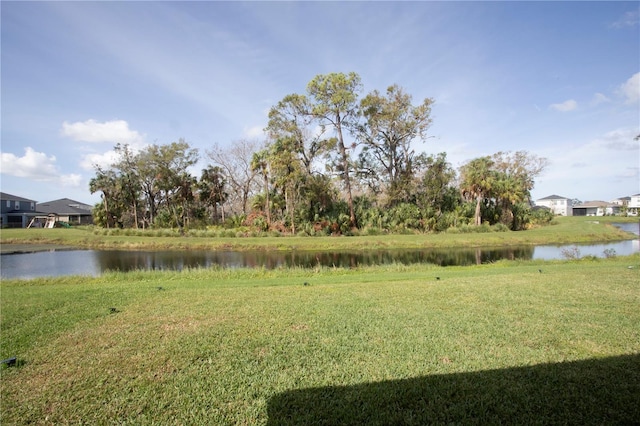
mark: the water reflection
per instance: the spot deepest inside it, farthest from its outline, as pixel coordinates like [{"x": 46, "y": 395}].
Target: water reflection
[
  {"x": 171, "y": 260},
  {"x": 95, "y": 262}
]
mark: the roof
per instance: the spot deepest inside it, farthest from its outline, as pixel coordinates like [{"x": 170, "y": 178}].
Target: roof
[
  {"x": 554, "y": 197},
  {"x": 64, "y": 206},
  {"x": 596, "y": 203},
  {"x": 5, "y": 196}
]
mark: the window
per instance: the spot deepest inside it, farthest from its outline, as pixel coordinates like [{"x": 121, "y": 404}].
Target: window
[
  {"x": 33, "y": 206},
  {"x": 17, "y": 207},
  {"x": 8, "y": 204}
]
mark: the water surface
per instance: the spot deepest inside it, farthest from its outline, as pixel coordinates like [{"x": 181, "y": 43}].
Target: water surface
[{"x": 95, "y": 262}]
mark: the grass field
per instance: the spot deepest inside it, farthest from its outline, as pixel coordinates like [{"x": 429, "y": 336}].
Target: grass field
[
  {"x": 511, "y": 342},
  {"x": 568, "y": 230}
]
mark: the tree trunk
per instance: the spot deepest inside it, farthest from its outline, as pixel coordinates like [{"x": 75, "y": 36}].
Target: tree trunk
[
  {"x": 347, "y": 179},
  {"x": 477, "y": 217},
  {"x": 267, "y": 207},
  {"x": 135, "y": 212},
  {"x": 106, "y": 209}
]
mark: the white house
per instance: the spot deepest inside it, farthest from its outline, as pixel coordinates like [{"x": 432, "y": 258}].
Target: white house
[
  {"x": 596, "y": 208},
  {"x": 561, "y": 206},
  {"x": 622, "y": 201},
  {"x": 633, "y": 208}
]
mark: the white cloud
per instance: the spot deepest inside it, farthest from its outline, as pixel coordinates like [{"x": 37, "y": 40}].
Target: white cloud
[
  {"x": 629, "y": 19},
  {"x": 565, "y": 106},
  {"x": 105, "y": 160},
  {"x": 630, "y": 172},
  {"x": 255, "y": 132},
  {"x": 631, "y": 89},
  {"x": 115, "y": 131},
  {"x": 36, "y": 166},
  {"x": 598, "y": 99},
  {"x": 617, "y": 140}
]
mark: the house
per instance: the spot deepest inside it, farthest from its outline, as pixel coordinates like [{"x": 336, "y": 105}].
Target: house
[
  {"x": 561, "y": 206},
  {"x": 596, "y": 208},
  {"x": 622, "y": 201},
  {"x": 16, "y": 212},
  {"x": 633, "y": 208},
  {"x": 67, "y": 211}
]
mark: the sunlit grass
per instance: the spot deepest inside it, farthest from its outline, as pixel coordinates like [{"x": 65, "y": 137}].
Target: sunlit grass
[{"x": 223, "y": 346}]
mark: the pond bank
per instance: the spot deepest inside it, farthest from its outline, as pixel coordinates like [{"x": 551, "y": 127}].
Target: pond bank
[{"x": 567, "y": 231}]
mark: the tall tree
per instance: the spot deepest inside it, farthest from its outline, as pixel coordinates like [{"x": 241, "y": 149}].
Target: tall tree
[
  {"x": 516, "y": 173},
  {"x": 292, "y": 122},
  {"x": 163, "y": 170},
  {"x": 212, "y": 190},
  {"x": 105, "y": 181},
  {"x": 235, "y": 160},
  {"x": 391, "y": 123},
  {"x": 128, "y": 179},
  {"x": 289, "y": 174},
  {"x": 436, "y": 190},
  {"x": 334, "y": 102},
  {"x": 476, "y": 182},
  {"x": 260, "y": 164}
]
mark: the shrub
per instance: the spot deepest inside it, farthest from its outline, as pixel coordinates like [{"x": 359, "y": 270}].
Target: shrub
[{"x": 500, "y": 227}]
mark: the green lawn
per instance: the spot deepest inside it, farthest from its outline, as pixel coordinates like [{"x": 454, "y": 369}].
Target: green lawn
[{"x": 512, "y": 342}]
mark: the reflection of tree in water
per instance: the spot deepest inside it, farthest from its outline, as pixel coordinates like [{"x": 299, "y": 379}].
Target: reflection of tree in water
[{"x": 179, "y": 260}]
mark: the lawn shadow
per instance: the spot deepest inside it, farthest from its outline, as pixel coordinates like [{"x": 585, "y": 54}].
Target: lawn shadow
[{"x": 595, "y": 391}]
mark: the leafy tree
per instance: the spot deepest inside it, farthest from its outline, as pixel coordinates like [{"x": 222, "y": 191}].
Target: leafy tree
[
  {"x": 212, "y": 190},
  {"x": 105, "y": 181},
  {"x": 291, "y": 122},
  {"x": 166, "y": 181},
  {"x": 515, "y": 175},
  {"x": 319, "y": 195},
  {"x": 128, "y": 180},
  {"x": 391, "y": 123},
  {"x": 436, "y": 189},
  {"x": 260, "y": 164},
  {"x": 476, "y": 182},
  {"x": 290, "y": 174},
  {"x": 334, "y": 103}
]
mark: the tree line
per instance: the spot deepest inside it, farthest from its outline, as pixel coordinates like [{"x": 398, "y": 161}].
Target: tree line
[{"x": 333, "y": 162}]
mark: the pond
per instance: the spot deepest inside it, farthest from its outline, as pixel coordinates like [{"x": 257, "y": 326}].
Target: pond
[{"x": 95, "y": 262}]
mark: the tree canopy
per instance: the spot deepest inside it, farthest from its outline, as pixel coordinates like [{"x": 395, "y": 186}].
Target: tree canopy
[{"x": 333, "y": 162}]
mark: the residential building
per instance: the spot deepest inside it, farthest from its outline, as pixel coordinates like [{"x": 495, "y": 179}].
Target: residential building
[
  {"x": 561, "y": 206},
  {"x": 67, "y": 211},
  {"x": 622, "y": 201},
  {"x": 596, "y": 208},
  {"x": 633, "y": 208},
  {"x": 15, "y": 211}
]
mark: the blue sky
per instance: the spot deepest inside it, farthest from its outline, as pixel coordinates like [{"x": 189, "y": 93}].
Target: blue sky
[{"x": 558, "y": 79}]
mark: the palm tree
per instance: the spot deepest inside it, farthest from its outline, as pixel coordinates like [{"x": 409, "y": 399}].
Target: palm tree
[
  {"x": 259, "y": 163},
  {"x": 476, "y": 182}
]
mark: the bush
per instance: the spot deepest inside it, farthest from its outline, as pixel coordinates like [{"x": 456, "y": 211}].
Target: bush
[
  {"x": 470, "y": 229},
  {"x": 500, "y": 227}
]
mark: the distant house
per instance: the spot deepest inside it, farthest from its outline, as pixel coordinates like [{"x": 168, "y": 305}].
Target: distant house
[
  {"x": 596, "y": 208},
  {"x": 16, "y": 212},
  {"x": 561, "y": 206},
  {"x": 622, "y": 201},
  {"x": 67, "y": 211},
  {"x": 633, "y": 208}
]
